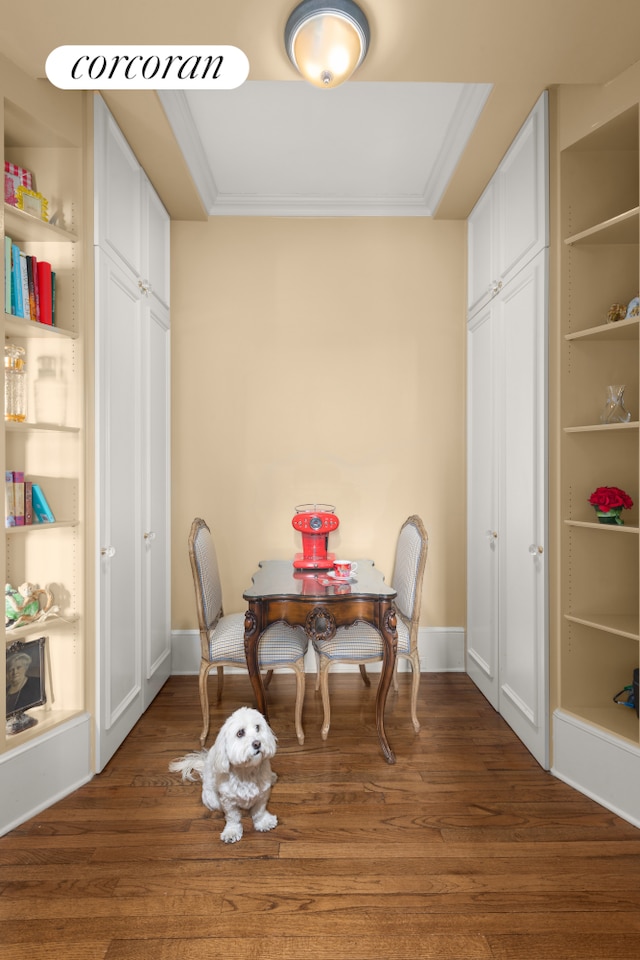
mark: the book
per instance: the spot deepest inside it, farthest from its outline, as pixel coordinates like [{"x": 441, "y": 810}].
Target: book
[
  {"x": 53, "y": 298},
  {"x": 8, "y": 243},
  {"x": 36, "y": 285},
  {"x": 9, "y": 511},
  {"x": 44, "y": 291},
  {"x": 28, "y": 503},
  {"x": 26, "y": 308},
  {"x": 18, "y": 497},
  {"x": 31, "y": 287},
  {"x": 16, "y": 282},
  {"x": 41, "y": 508}
]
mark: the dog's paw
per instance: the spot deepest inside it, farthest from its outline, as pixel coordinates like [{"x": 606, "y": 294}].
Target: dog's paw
[
  {"x": 232, "y": 833},
  {"x": 267, "y": 821}
]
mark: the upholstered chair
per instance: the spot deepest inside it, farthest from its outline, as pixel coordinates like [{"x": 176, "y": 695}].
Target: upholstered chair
[
  {"x": 362, "y": 644},
  {"x": 222, "y": 635}
]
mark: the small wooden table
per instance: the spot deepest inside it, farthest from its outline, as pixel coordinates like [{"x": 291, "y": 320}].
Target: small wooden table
[{"x": 281, "y": 593}]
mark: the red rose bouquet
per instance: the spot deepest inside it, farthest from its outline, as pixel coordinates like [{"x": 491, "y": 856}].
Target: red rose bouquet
[{"x": 605, "y": 499}]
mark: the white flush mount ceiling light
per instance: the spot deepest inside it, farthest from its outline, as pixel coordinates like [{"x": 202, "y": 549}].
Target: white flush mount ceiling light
[{"x": 327, "y": 41}]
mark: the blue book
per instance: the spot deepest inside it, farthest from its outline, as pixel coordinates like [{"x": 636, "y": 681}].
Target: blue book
[
  {"x": 17, "y": 308},
  {"x": 8, "y": 244},
  {"x": 41, "y": 508}
]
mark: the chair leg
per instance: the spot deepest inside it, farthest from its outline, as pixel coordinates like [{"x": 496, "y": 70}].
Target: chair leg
[
  {"x": 324, "y": 689},
  {"x": 204, "y": 700},
  {"x": 395, "y": 676},
  {"x": 300, "y": 683},
  {"x": 220, "y": 682},
  {"x": 267, "y": 678},
  {"x": 365, "y": 675},
  {"x": 415, "y": 683}
]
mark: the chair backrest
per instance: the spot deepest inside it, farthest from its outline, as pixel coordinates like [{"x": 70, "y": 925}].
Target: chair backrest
[
  {"x": 408, "y": 568},
  {"x": 206, "y": 579}
]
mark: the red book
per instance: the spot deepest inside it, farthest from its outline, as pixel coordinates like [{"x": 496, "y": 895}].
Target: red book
[{"x": 44, "y": 291}]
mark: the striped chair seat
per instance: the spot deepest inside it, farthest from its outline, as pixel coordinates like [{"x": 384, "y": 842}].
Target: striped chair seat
[
  {"x": 280, "y": 644},
  {"x": 360, "y": 643}
]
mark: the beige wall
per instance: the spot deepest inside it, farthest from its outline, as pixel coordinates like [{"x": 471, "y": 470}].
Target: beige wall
[{"x": 319, "y": 361}]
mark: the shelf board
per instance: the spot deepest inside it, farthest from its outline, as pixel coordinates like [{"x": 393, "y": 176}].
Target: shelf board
[
  {"x": 27, "y": 426},
  {"x": 21, "y": 226},
  {"x": 620, "y": 229},
  {"x": 606, "y": 427},
  {"x": 47, "y": 719},
  {"x": 621, "y": 330},
  {"x": 26, "y": 528},
  {"x": 21, "y": 327},
  {"x": 612, "y": 528},
  {"x": 620, "y": 624},
  {"x": 39, "y": 627},
  {"x": 615, "y": 720}
]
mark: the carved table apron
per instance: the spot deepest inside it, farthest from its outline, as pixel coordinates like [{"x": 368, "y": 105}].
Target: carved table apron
[{"x": 278, "y": 593}]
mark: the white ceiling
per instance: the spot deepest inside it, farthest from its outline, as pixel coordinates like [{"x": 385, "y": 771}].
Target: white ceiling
[{"x": 275, "y": 148}]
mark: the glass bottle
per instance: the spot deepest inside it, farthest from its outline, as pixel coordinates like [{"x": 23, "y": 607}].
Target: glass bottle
[
  {"x": 50, "y": 393},
  {"x": 614, "y": 408},
  {"x": 15, "y": 383}
]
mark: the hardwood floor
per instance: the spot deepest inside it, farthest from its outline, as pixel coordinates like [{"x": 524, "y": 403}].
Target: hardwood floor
[{"x": 464, "y": 849}]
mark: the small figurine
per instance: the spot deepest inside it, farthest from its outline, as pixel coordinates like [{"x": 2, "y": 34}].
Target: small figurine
[
  {"x": 26, "y": 604},
  {"x": 617, "y": 311},
  {"x": 633, "y": 309}
]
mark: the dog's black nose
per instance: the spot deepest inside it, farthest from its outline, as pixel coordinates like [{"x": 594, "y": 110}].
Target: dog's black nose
[{"x": 257, "y": 746}]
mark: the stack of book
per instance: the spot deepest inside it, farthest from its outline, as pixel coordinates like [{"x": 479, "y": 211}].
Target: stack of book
[
  {"x": 25, "y": 503},
  {"x": 29, "y": 285}
]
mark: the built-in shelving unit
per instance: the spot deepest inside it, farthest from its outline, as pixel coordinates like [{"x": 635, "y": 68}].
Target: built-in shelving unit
[
  {"x": 599, "y": 568},
  {"x": 43, "y": 131}
]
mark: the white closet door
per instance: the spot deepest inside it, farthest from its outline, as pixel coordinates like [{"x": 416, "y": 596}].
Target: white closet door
[
  {"x": 523, "y": 700},
  {"x": 483, "y": 542},
  {"x": 156, "y": 506},
  {"x": 118, "y": 332}
]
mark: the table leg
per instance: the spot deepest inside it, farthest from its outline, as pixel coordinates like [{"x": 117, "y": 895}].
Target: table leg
[
  {"x": 252, "y": 631},
  {"x": 390, "y": 637}
]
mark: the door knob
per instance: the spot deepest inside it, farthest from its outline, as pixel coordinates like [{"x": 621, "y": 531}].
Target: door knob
[
  {"x": 108, "y": 552},
  {"x": 535, "y": 550},
  {"x": 492, "y": 535},
  {"x": 150, "y": 535}
]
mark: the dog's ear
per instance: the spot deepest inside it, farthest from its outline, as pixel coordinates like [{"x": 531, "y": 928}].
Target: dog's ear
[{"x": 219, "y": 756}]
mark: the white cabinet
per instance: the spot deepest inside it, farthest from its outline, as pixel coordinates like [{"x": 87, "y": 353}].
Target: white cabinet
[
  {"x": 507, "y": 462},
  {"x": 508, "y": 227},
  {"x": 133, "y": 468},
  {"x": 507, "y": 631}
]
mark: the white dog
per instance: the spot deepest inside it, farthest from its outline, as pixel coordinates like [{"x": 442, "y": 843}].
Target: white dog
[{"x": 236, "y": 774}]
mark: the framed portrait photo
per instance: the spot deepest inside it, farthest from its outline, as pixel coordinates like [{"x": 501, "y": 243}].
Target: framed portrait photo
[
  {"x": 32, "y": 203},
  {"x": 25, "y": 682}
]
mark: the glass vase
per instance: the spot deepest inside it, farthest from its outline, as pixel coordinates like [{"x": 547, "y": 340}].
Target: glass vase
[{"x": 614, "y": 408}]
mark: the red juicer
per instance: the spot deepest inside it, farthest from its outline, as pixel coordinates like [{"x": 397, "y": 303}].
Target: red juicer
[{"x": 315, "y": 521}]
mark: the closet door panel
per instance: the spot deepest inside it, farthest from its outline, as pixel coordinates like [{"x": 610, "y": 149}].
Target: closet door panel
[
  {"x": 522, "y": 584},
  {"x": 482, "y": 484},
  {"x": 118, "y": 478},
  {"x": 156, "y": 565}
]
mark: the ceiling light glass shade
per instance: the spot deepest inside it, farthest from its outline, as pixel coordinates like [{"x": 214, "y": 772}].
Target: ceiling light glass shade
[{"x": 327, "y": 41}]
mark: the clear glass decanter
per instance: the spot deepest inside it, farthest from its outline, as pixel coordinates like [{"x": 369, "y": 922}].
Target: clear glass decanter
[
  {"x": 614, "y": 408},
  {"x": 15, "y": 383}
]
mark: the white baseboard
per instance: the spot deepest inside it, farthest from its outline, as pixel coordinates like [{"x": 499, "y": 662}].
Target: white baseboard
[{"x": 441, "y": 651}]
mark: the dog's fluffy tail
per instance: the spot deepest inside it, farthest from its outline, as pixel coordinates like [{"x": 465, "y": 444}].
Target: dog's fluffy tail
[{"x": 190, "y": 766}]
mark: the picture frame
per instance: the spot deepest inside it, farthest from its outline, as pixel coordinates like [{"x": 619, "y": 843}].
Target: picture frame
[
  {"x": 25, "y": 682},
  {"x": 32, "y": 203},
  {"x": 14, "y": 177}
]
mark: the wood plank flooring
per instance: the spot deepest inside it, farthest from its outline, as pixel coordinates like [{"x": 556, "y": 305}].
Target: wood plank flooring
[{"x": 464, "y": 849}]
